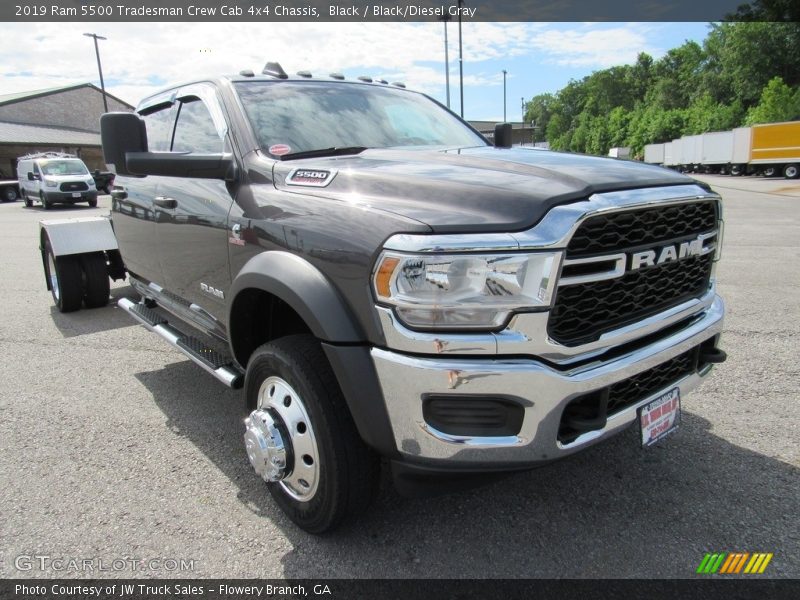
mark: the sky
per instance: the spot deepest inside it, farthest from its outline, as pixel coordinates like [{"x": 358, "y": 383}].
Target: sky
[{"x": 141, "y": 58}]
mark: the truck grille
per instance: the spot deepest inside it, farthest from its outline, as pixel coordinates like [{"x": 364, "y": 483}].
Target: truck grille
[
  {"x": 74, "y": 186},
  {"x": 584, "y": 311},
  {"x": 620, "y": 230}
]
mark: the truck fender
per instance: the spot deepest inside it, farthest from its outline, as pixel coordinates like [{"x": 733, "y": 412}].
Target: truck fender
[
  {"x": 309, "y": 293},
  {"x": 304, "y": 288},
  {"x": 77, "y": 236}
]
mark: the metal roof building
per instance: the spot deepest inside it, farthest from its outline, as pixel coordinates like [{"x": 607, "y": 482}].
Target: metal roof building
[{"x": 65, "y": 119}]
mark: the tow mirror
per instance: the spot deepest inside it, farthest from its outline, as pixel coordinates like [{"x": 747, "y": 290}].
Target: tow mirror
[{"x": 121, "y": 133}]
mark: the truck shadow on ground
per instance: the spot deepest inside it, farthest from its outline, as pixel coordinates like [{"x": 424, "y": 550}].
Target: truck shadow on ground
[
  {"x": 95, "y": 320},
  {"x": 611, "y": 511}
]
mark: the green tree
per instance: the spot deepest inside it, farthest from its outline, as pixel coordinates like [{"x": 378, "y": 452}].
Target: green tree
[
  {"x": 619, "y": 121},
  {"x": 692, "y": 89},
  {"x": 743, "y": 57},
  {"x": 706, "y": 115},
  {"x": 778, "y": 102},
  {"x": 538, "y": 110},
  {"x": 768, "y": 10},
  {"x": 678, "y": 77}
]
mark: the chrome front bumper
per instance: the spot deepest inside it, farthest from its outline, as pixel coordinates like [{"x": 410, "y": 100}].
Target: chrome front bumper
[{"x": 543, "y": 390}]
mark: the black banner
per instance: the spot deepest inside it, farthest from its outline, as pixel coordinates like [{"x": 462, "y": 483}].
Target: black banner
[
  {"x": 397, "y": 10},
  {"x": 439, "y": 589}
]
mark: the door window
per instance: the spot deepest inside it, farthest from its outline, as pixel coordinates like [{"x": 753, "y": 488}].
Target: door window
[
  {"x": 160, "y": 125},
  {"x": 195, "y": 130}
]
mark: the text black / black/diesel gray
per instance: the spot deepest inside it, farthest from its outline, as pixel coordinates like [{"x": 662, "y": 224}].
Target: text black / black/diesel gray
[{"x": 383, "y": 282}]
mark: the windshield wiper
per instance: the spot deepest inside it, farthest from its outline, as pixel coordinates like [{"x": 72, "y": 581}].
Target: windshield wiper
[{"x": 335, "y": 151}]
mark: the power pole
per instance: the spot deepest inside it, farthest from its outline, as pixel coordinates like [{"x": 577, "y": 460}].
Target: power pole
[
  {"x": 504, "y": 95},
  {"x": 460, "y": 58},
  {"x": 99, "y": 67},
  {"x": 445, "y": 19}
]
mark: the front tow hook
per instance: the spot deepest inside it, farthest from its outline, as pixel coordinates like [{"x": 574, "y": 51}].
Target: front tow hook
[{"x": 712, "y": 355}]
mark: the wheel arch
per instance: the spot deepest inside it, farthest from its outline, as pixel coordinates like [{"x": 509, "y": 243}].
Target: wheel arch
[{"x": 305, "y": 299}]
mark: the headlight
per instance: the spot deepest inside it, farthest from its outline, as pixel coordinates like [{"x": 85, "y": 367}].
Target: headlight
[
  {"x": 50, "y": 182},
  {"x": 464, "y": 291},
  {"x": 90, "y": 182}
]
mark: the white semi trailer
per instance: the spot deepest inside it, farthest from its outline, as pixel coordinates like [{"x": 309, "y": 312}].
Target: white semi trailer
[
  {"x": 717, "y": 152},
  {"x": 654, "y": 154}
]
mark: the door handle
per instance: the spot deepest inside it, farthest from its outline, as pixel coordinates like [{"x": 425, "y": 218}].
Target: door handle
[{"x": 165, "y": 202}]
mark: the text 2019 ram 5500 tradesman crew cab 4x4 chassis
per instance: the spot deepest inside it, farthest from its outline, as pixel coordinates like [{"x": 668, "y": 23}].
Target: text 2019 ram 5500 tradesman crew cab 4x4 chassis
[{"x": 383, "y": 282}]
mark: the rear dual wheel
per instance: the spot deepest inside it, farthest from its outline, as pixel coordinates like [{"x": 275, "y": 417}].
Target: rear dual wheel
[
  {"x": 791, "y": 171},
  {"x": 96, "y": 285},
  {"x": 65, "y": 278},
  {"x": 770, "y": 171},
  {"x": 77, "y": 279}
]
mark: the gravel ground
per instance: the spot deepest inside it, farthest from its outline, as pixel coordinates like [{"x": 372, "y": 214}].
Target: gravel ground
[{"x": 114, "y": 446}]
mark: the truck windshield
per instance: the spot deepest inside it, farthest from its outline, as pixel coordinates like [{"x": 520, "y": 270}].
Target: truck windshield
[
  {"x": 64, "y": 167},
  {"x": 298, "y": 116}
]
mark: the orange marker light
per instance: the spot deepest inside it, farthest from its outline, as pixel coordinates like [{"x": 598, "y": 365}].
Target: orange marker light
[{"x": 385, "y": 276}]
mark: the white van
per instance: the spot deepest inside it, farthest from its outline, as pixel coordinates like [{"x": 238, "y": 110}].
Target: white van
[{"x": 52, "y": 178}]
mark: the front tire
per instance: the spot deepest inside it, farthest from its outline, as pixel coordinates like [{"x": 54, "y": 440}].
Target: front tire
[
  {"x": 45, "y": 202},
  {"x": 93, "y": 203},
  {"x": 66, "y": 280},
  {"x": 330, "y": 474}
]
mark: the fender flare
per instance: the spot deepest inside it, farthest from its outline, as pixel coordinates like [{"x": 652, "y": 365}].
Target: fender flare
[{"x": 304, "y": 288}]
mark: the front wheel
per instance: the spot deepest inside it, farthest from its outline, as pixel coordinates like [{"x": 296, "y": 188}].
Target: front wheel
[
  {"x": 45, "y": 202},
  {"x": 93, "y": 203},
  {"x": 301, "y": 439}
]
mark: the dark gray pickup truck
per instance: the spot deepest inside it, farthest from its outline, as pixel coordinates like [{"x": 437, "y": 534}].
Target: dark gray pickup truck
[{"x": 383, "y": 282}]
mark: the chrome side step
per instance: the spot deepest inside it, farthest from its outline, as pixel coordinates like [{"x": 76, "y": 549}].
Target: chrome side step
[{"x": 219, "y": 365}]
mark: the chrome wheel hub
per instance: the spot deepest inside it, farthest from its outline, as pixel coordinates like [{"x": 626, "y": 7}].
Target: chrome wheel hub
[
  {"x": 280, "y": 440},
  {"x": 265, "y": 446}
]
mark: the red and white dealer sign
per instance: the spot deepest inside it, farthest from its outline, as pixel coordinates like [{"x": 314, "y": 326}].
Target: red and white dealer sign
[{"x": 660, "y": 417}]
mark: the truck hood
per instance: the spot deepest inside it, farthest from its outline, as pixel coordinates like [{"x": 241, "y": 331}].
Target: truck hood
[{"x": 470, "y": 189}]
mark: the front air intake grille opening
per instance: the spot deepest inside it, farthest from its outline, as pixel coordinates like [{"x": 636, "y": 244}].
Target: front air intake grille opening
[
  {"x": 74, "y": 186},
  {"x": 583, "y": 312},
  {"x": 476, "y": 416},
  {"x": 589, "y": 412},
  {"x": 644, "y": 227}
]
